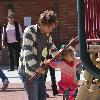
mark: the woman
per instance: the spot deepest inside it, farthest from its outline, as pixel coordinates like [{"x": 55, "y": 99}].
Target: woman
[{"x": 11, "y": 37}]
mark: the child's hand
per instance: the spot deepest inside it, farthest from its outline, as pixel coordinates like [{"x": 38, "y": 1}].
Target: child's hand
[{"x": 46, "y": 61}]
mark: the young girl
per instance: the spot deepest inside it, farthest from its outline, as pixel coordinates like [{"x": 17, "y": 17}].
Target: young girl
[{"x": 68, "y": 83}]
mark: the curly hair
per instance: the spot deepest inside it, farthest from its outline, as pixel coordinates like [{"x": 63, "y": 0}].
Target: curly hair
[{"x": 48, "y": 17}]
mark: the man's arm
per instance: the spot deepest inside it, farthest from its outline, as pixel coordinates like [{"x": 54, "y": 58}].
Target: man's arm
[{"x": 27, "y": 46}]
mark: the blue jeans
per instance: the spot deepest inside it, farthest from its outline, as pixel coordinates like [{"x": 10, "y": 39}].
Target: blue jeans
[
  {"x": 36, "y": 90},
  {"x": 14, "y": 47},
  {"x": 2, "y": 75}
]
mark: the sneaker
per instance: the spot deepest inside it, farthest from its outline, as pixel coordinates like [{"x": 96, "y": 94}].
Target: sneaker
[{"x": 5, "y": 84}]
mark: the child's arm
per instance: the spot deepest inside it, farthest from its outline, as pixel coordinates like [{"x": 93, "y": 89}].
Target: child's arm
[
  {"x": 79, "y": 68},
  {"x": 54, "y": 64}
]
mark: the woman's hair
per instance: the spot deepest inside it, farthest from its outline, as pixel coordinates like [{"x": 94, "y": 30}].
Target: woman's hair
[
  {"x": 48, "y": 17},
  {"x": 66, "y": 52}
]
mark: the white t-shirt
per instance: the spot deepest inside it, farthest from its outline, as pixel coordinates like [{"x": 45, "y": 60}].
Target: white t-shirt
[{"x": 11, "y": 34}]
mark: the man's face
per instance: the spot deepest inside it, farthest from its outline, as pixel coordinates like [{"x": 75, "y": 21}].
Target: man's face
[{"x": 47, "y": 29}]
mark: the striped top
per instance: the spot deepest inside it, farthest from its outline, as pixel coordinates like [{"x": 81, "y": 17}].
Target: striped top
[{"x": 29, "y": 53}]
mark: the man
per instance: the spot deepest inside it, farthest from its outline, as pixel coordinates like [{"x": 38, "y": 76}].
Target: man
[
  {"x": 11, "y": 37},
  {"x": 36, "y": 48}
]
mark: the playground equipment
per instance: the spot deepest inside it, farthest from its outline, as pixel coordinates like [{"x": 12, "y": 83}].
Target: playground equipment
[{"x": 89, "y": 40}]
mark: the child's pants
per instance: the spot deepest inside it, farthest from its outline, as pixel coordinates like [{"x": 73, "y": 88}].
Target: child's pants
[{"x": 69, "y": 94}]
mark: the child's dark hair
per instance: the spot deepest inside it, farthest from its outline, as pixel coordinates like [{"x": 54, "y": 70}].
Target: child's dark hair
[
  {"x": 48, "y": 17},
  {"x": 66, "y": 52}
]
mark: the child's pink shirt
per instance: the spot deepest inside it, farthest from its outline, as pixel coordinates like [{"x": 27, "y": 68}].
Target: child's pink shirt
[{"x": 68, "y": 73}]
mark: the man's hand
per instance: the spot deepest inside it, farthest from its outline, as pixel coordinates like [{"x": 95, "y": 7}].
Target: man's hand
[{"x": 40, "y": 70}]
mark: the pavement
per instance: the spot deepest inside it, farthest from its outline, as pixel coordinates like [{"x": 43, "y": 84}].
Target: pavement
[{"x": 15, "y": 90}]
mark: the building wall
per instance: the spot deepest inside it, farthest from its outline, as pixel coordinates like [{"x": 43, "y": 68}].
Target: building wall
[{"x": 66, "y": 10}]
